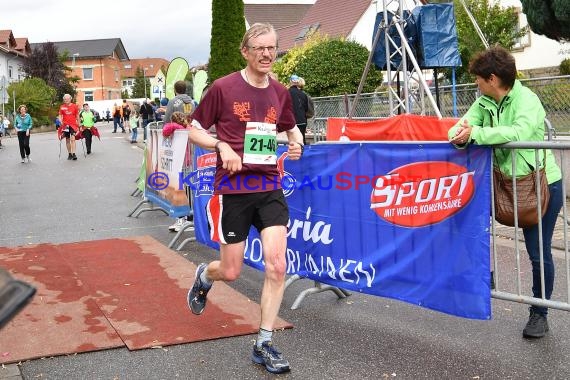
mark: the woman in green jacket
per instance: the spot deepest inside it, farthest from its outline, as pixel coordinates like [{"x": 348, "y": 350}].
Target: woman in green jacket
[
  {"x": 23, "y": 124},
  {"x": 508, "y": 111}
]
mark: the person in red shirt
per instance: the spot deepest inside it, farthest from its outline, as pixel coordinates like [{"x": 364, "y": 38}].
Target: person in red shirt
[{"x": 69, "y": 116}]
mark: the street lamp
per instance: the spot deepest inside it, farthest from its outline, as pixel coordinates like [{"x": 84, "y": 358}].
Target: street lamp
[{"x": 73, "y": 69}]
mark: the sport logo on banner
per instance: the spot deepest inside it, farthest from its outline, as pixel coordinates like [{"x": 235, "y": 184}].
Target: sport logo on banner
[
  {"x": 203, "y": 179},
  {"x": 407, "y": 199}
]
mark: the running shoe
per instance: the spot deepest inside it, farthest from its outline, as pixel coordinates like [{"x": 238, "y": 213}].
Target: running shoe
[
  {"x": 197, "y": 295},
  {"x": 270, "y": 357}
]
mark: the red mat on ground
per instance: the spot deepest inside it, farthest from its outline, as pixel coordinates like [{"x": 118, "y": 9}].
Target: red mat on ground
[{"x": 100, "y": 294}]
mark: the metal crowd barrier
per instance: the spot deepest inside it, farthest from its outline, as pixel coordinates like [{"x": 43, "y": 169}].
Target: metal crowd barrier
[
  {"x": 187, "y": 168},
  {"x": 145, "y": 201},
  {"x": 515, "y": 292}
]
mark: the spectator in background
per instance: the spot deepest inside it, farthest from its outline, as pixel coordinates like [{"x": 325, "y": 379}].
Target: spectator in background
[
  {"x": 108, "y": 115},
  {"x": 57, "y": 122},
  {"x": 301, "y": 107},
  {"x": 23, "y": 124},
  {"x": 134, "y": 121},
  {"x": 126, "y": 115},
  {"x": 178, "y": 121},
  {"x": 180, "y": 103},
  {"x": 6, "y": 123},
  {"x": 117, "y": 118},
  {"x": 147, "y": 115},
  {"x": 2, "y": 129}
]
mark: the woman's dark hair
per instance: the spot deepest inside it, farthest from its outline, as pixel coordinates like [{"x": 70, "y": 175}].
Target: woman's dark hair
[{"x": 495, "y": 60}]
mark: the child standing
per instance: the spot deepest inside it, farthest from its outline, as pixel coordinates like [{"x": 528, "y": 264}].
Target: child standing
[
  {"x": 134, "y": 123},
  {"x": 178, "y": 121}
]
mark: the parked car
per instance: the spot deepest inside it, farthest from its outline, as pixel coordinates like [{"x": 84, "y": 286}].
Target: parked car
[{"x": 96, "y": 115}]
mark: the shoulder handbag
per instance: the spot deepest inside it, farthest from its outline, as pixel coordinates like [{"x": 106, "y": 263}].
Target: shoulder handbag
[{"x": 527, "y": 199}]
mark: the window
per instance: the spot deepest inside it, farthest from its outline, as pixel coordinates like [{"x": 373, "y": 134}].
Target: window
[
  {"x": 88, "y": 73},
  {"x": 127, "y": 82},
  {"x": 307, "y": 30},
  {"x": 128, "y": 66},
  {"x": 88, "y": 96},
  {"x": 116, "y": 75},
  {"x": 10, "y": 69},
  {"x": 524, "y": 41}
]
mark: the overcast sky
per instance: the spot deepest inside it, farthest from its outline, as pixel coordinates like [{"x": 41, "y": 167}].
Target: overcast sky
[{"x": 158, "y": 29}]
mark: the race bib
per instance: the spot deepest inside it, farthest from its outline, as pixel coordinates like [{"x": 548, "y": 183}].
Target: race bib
[{"x": 260, "y": 144}]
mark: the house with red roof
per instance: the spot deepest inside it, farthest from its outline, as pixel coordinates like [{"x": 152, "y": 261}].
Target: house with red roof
[{"x": 12, "y": 53}]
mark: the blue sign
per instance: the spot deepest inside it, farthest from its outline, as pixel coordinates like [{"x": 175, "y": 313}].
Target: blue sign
[{"x": 408, "y": 221}]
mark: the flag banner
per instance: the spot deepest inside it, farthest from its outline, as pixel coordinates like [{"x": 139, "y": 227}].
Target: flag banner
[
  {"x": 408, "y": 221},
  {"x": 177, "y": 70},
  {"x": 164, "y": 164}
]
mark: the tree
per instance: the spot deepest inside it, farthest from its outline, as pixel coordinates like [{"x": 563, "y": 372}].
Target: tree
[
  {"x": 499, "y": 26},
  {"x": 548, "y": 17},
  {"x": 44, "y": 62},
  {"x": 335, "y": 67},
  {"x": 228, "y": 28},
  {"x": 38, "y": 98},
  {"x": 141, "y": 84},
  {"x": 287, "y": 65},
  {"x": 565, "y": 67}
]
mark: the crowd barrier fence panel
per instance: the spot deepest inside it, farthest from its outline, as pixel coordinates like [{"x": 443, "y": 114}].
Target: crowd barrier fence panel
[{"x": 515, "y": 292}]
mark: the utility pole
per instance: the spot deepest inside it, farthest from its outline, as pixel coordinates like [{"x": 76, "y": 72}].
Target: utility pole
[{"x": 144, "y": 81}]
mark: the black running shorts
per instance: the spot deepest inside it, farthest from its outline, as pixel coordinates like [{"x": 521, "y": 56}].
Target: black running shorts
[{"x": 230, "y": 216}]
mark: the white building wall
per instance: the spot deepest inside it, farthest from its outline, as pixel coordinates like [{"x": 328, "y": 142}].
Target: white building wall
[
  {"x": 363, "y": 31},
  {"x": 537, "y": 51}
]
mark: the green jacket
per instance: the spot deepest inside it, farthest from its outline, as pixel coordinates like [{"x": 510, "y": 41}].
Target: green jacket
[{"x": 519, "y": 117}]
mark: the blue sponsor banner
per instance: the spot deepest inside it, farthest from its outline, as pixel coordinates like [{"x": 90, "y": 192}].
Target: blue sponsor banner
[{"x": 408, "y": 221}]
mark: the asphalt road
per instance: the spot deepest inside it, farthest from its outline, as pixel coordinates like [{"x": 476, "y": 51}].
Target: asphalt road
[{"x": 361, "y": 337}]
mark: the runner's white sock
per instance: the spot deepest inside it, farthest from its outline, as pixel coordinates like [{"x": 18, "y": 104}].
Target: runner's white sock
[
  {"x": 263, "y": 336},
  {"x": 205, "y": 280}
]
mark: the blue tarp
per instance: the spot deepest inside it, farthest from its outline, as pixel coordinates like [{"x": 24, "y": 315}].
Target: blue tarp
[
  {"x": 431, "y": 34},
  {"x": 437, "y": 44}
]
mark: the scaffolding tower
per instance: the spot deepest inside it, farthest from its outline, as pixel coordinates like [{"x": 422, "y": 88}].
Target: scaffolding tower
[{"x": 399, "y": 95}]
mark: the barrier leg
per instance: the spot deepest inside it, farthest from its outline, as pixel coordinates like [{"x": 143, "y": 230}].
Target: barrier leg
[
  {"x": 187, "y": 226},
  {"x": 291, "y": 280},
  {"x": 186, "y": 241},
  {"x": 151, "y": 208},
  {"x": 318, "y": 288},
  {"x": 142, "y": 202}
]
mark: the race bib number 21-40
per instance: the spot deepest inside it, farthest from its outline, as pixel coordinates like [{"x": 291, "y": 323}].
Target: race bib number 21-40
[{"x": 260, "y": 143}]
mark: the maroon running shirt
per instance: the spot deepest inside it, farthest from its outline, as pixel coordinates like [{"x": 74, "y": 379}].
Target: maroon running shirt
[{"x": 230, "y": 104}]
